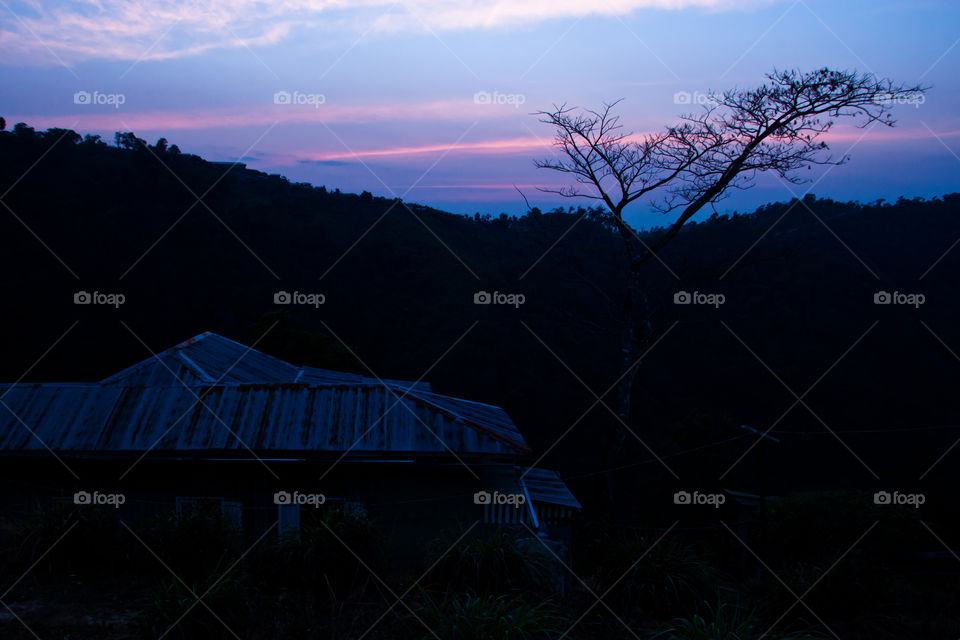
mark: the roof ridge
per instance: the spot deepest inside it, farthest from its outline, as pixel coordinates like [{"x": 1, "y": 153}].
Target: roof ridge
[
  {"x": 187, "y": 360},
  {"x": 473, "y": 424},
  {"x": 137, "y": 365},
  {"x": 459, "y": 399},
  {"x": 195, "y": 339}
]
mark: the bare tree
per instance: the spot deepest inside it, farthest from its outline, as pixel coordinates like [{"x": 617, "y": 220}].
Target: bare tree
[{"x": 777, "y": 127}]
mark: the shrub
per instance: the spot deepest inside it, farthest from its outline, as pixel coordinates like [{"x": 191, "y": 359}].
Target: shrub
[
  {"x": 66, "y": 538},
  {"x": 194, "y": 544},
  {"x": 670, "y": 579},
  {"x": 175, "y": 605},
  {"x": 726, "y": 621},
  {"x": 493, "y": 562},
  {"x": 472, "y": 617},
  {"x": 316, "y": 559},
  {"x": 839, "y": 519}
]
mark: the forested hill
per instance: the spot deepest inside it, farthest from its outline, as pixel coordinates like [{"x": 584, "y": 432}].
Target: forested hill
[{"x": 798, "y": 281}]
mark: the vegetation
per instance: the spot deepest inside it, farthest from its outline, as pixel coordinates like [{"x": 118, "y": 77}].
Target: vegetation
[
  {"x": 796, "y": 296},
  {"x": 493, "y": 562},
  {"x": 675, "y": 587}
]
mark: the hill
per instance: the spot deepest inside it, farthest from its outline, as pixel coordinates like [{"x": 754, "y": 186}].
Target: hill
[{"x": 194, "y": 245}]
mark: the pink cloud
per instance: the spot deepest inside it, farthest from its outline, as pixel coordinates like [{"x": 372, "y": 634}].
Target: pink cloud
[{"x": 497, "y": 147}]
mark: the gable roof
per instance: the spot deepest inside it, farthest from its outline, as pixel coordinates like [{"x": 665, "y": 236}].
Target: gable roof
[
  {"x": 209, "y": 358},
  {"x": 212, "y": 394}
]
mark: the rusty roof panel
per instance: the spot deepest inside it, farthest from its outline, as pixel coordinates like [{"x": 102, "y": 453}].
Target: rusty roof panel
[
  {"x": 58, "y": 416},
  {"x": 232, "y": 417},
  {"x": 484, "y": 416}
]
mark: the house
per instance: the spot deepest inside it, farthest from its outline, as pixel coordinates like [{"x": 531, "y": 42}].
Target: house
[{"x": 211, "y": 421}]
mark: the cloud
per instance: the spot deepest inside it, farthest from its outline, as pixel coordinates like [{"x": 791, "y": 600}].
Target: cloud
[
  {"x": 503, "y": 146},
  {"x": 533, "y": 146},
  {"x": 132, "y": 30},
  {"x": 326, "y": 163},
  {"x": 164, "y": 121}
]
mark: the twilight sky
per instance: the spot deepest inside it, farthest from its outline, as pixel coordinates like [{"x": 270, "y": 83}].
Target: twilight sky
[{"x": 431, "y": 100}]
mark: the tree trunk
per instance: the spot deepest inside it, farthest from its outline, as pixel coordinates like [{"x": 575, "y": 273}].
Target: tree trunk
[{"x": 633, "y": 336}]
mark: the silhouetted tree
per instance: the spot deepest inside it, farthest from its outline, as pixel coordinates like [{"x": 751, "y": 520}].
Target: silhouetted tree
[
  {"x": 57, "y": 134},
  {"x": 23, "y": 131},
  {"x": 128, "y": 140},
  {"x": 739, "y": 133},
  {"x": 161, "y": 145},
  {"x": 3, "y": 124}
]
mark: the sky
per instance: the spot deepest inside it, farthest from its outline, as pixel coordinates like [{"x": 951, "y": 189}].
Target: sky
[{"x": 434, "y": 100}]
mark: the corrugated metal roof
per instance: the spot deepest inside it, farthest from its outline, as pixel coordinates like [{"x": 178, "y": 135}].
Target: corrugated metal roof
[
  {"x": 209, "y": 358},
  {"x": 268, "y": 404},
  {"x": 484, "y": 416},
  {"x": 206, "y": 358},
  {"x": 544, "y": 485},
  {"x": 273, "y": 417}
]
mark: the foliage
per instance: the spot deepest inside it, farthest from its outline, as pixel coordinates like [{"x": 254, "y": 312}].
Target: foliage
[
  {"x": 726, "y": 621},
  {"x": 176, "y": 606},
  {"x": 194, "y": 543},
  {"x": 492, "y": 562},
  {"x": 63, "y": 538},
  {"x": 663, "y": 578},
  {"x": 317, "y": 560},
  {"x": 472, "y": 617}
]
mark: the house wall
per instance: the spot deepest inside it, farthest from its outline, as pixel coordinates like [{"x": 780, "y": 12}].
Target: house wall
[{"x": 411, "y": 503}]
